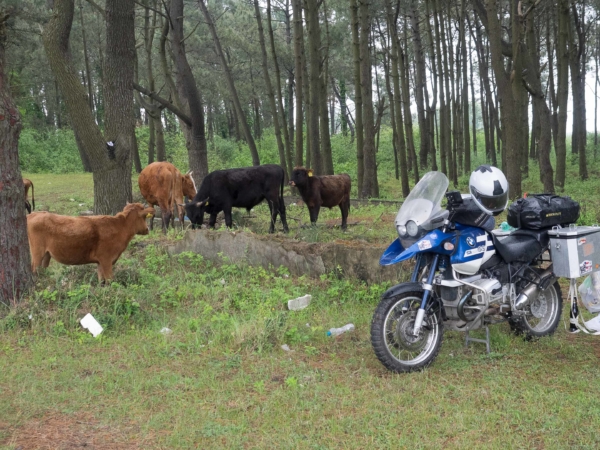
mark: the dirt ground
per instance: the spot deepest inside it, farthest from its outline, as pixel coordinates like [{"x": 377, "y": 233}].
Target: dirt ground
[{"x": 56, "y": 431}]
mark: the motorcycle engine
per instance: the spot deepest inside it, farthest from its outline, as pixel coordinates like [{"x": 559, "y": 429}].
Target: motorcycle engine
[{"x": 453, "y": 296}]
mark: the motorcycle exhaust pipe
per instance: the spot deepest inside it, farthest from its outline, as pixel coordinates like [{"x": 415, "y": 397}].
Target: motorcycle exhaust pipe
[{"x": 531, "y": 291}]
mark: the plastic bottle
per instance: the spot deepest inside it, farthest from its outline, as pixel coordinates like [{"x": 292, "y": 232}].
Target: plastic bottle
[
  {"x": 338, "y": 331},
  {"x": 504, "y": 226}
]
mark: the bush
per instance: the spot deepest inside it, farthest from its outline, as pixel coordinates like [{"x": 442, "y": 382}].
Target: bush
[{"x": 49, "y": 151}]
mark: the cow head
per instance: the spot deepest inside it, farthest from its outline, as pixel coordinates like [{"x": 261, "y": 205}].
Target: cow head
[
  {"x": 195, "y": 211},
  {"x": 300, "y": 176},
  {"x": 138, "y": 214},
  {"x": 188, "y": 185}
]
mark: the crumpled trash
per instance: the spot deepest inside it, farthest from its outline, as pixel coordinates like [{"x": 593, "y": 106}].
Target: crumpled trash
[
  {"x": 91, "y": 324},
  {"x": 299, "y": 303},
  {"x": 286, "y": 348},
  {"x": 166, "y": 331}
]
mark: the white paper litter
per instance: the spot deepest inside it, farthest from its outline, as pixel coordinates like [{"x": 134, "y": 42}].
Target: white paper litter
[{"x": 91, "y": 324}]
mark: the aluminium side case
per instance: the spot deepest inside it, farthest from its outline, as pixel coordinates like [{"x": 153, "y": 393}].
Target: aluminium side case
[{"x": 575, "y": 250}]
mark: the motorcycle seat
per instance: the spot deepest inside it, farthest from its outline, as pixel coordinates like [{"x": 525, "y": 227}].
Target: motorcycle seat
[{"x": 521, "y": 245}]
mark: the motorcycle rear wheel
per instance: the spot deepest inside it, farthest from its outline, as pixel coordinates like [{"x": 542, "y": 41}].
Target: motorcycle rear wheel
[
  {"x": 543, "y": 314},
  {"x": 392, "y": 338}
]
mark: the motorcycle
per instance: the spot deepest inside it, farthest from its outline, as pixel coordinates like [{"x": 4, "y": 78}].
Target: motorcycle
[{"x": 465, "y": 277}]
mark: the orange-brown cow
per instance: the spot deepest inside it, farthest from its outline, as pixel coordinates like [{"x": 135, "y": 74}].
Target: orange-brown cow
[
  {"x": 163, "y": 185},
  {"x": 84, "y": 240},
  {"x": 28, "y": 184}
]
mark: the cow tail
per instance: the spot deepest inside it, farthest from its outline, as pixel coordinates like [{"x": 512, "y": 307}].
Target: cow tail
[
  {"x": 282, "y": 183},
  {"x": 32, "y": 196}
]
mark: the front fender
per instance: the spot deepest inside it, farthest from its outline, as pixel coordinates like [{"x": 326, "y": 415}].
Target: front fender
[{"x": 401, "y": 289}]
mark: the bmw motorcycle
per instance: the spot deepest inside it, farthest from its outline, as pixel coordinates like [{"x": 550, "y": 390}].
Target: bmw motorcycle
[{"x": 465, "y": 277}]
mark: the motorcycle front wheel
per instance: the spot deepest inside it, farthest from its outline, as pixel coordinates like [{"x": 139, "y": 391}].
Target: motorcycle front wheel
[{"x": 392, "y": 333}]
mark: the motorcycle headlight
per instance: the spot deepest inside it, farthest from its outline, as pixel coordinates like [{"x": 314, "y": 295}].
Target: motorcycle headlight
[
  {"x": 412, "y": 228},
  {"x": 401, "y": 230}
]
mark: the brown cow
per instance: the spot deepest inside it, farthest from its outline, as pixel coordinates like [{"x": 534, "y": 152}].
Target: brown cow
[
  {"x": 84, "y": 240},
  {"x": 28, "y": 184},
  {"x": 163, "y": 185},
  {"x": 327, "y": 190}
]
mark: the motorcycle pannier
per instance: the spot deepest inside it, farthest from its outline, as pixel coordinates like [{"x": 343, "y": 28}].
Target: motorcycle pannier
[{"x": 538, "y": 211}]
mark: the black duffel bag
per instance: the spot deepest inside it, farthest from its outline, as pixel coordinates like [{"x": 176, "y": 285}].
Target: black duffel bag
[{"x": 538, "y": 211}]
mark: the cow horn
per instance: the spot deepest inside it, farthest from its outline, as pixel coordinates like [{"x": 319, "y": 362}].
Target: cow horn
[{"x": 180, "y": 204}]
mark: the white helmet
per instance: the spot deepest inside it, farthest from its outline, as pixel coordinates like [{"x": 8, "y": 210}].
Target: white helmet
[{"x": 489, "y": 189}]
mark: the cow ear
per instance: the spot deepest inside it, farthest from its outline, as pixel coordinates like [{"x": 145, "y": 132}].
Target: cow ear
[{"x": 310, "y": 172}]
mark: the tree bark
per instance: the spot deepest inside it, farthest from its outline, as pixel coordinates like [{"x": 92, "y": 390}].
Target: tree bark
[
  {"x": 286, "y": 134},
  {"x": 562, "y": 97},
  {"x": 15, "y": 261},
  {"x": 370, "y": 186},
  {"x": 358, "y": 103},
  {"x": 229, "y": 78},
  {"x": 111, "y": 166},
  {"x": 270, "y": 93},
  {"x": 188, "y": 92},
  {"x": 314, "y": 72},
  {"x": 420, "y": 79},
  {"x": 396, "y": 100},
  {"x": 298, "y": 40}
]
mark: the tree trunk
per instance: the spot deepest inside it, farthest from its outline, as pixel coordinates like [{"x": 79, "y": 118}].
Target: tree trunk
[
  {"x": 188, "y": 92},
  {"x": 118, "y": 100},
  {"x": 396, "y": 101},
  {"x": 15, "y": 262},
  {"x": 562, "y": 64},
  {"x": 370, "y": 184},
  {"x": 420, "y": 79},
  {"x": 358, "y": 103},
  {"x": 326, "y": 155},
  {"x": 298, "y": 40},
  {"x": 465, "y": 91},
  {"x": 111, "y": 166},
  {"x": 286, "y": 135},
  {"x": 230, "y": 83},
  {"x": 88, "y": 76},
  {"x": 270, "y": 93},
  {"x": 314, "y": 70},
  {"x": 408, "y": 123}
]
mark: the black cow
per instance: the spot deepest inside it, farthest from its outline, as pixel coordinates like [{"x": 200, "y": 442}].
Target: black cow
[{"x": 243, "y": 188}]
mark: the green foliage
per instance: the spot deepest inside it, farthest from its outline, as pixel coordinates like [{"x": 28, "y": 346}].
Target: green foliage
[{"x": 49, "y": 151}]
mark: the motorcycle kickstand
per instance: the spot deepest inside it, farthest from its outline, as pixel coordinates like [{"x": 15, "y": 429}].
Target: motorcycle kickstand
[{"x": 485, "y": 341}]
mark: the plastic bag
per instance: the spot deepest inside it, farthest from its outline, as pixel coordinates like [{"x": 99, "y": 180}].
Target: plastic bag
[{"x": 589, "y": 292}]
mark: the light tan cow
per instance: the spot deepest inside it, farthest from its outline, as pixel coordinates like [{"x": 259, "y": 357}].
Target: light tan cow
[
  {"x": 163, "y": 185},
  {"x": 84, "y": 240}
]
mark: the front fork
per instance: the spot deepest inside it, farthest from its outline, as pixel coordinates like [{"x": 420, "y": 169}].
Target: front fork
[{"x": 428, "y": 287}]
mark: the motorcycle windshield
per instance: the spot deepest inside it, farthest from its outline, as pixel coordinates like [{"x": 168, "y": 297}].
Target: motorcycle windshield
[{"x": 422, "y": 204}]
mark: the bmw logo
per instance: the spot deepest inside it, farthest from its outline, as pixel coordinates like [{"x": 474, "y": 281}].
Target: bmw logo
[{"x": 471, "y": 242}]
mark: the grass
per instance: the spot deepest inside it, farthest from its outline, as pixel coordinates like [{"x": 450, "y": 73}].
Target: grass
[{"x": 220, "y": 379}]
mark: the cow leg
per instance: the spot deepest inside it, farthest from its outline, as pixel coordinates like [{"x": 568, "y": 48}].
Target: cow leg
[
  {"x": 46, "y": 260},
  {"x": 166, "y": 219},
  {"x": 314, "y": 214},
  {"x": 181, "y": 214},
  {"x": 228, "y": 220},
  {"x": 282, "y": 215},
  {"x": 105, "y": 273},
  {"x": 212, "y": 220},
  {"x": 37, "y": 258},
  {"x": 344, "y": 208},
  {"x": 273, "y": 207}
]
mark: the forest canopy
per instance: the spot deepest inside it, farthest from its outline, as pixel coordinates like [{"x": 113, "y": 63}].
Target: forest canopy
[{"x": 361, "y": 86}]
